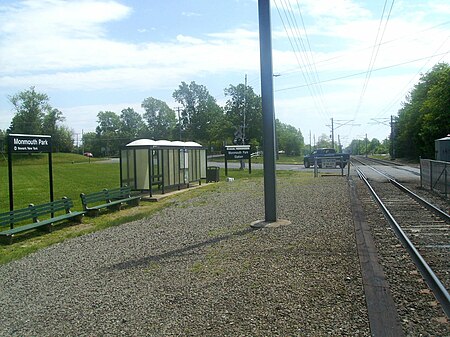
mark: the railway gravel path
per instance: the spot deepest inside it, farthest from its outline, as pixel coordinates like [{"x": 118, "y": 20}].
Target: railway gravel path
[{"x": 197, "y": 269}]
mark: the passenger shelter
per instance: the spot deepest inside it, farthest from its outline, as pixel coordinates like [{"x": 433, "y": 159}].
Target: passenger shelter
[
  {"x": 442, "y": 148},
  {"x": 159, "y": 165}
]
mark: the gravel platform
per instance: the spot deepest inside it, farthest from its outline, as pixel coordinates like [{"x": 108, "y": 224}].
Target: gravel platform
[{"x": 198, "y": 269}]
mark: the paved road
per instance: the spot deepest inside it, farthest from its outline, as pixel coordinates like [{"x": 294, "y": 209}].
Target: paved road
[
  {"x": 401, "y": 173},
  {"x": 282, "y": 167}
]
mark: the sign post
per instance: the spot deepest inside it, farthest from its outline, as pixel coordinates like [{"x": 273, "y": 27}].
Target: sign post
[
  {"x": 18, "y": 143},
  {"x": 237, "y": 152}
]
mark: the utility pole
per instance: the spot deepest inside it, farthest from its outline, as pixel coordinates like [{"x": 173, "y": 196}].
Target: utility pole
[
  {"x": 393, "y": 137},
  {"x": 332, "y": 133},
  {"x": 310, "y": 149},
  {"x": 366, "y": 145},
  {"x": 265, "y": 41},
  {"x": 339, "y": 124},
  {"x": 245, "y": 108},
  {"x": 179, "y": 122},
  {"x": 242, "y": 163}
]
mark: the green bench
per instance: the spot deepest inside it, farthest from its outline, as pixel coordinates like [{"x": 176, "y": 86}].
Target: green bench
[
  {"x": 33, "y": 212},
  {"x": 112, "y": 199}
]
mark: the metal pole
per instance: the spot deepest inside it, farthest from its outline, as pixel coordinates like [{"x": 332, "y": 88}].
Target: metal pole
[
  {"x": 245, "y": 106},
  {"x": 332, "y": 133},
  {"x": 50, "y": 173},
  {"x": 265, "y": 40},
  {"x": 10, "y": 179}
]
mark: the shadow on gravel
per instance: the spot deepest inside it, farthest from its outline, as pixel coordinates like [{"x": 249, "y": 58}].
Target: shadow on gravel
[{"x": 176, "y": 252}]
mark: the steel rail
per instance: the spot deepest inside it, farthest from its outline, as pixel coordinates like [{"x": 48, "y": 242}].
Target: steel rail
[
  {"x": 445, "y": 216},
  {"x": 430, "y": 277}
]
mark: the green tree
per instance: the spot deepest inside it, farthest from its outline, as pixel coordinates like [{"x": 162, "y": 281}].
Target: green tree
[
  {"x": 131, "y": 124},
  {"x": 425, "y": 115},
  {"x": 35, "y": 115},
  {"x": 244, "y": 102},
  {"x": 2, "y": 141},
  {"x": 92, "y": 143},
  {"x": 30, "y": 107},
  {"x": 160, "y": 119},
  {"x": 62, "y": 136},
  {"x": 108, "y": 133},
  {"x": 289, "y": 139},
  {"x": 200, "y": 112},
  {"x": 62, "y": 139},
  {"x": 323, "y": 141}
]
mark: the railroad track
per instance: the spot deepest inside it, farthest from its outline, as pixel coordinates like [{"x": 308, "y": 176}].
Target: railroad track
[{"x": 422, "y": 228}]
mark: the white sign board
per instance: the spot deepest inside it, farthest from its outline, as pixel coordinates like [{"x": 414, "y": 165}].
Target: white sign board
[{"x": 328, "y": 163}]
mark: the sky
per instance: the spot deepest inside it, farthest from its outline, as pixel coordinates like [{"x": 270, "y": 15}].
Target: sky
[{"x": 347, "y": 61}]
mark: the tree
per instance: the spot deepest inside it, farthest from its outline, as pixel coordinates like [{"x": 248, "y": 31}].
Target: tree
[
  {"x": 289, "y": 139},
  {"x": 160, "y": 119},
  {"x": 108, "y": 132},
  {"x": 425, "y": 115},
  {"x": 200, "y": 112},
  {"x": 31, "y": 107},
  {"x": 62, "y": 139},
  {"x": 244, "y": 102},
  {"x": 323, "y": 141},
  {"x": 50, "y": 121},
  {"x": 2, "y": 141},
  {"x": 131, "y": 124},
  {"x": 92, "y": 143},
  {"x": 35, "y": 115}
]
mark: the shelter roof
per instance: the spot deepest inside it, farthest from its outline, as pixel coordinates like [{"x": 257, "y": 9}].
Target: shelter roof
[
  {"x": 162, "y": 143},
  {"x": 445, "y": 138}
]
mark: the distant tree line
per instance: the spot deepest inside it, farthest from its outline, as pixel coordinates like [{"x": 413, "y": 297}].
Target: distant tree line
[
  {"x": 199, "y": 118},
  {"x": 423, "y": 118}
]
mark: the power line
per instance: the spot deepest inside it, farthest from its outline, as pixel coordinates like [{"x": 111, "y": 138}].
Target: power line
[
  {"x": 301, "y": 54},
  {"x": 373, "y": 56},
  {"x": 364, "y": 72}
]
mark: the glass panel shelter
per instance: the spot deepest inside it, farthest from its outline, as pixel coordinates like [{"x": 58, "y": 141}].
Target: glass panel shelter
[{"x": 158, "y": 165}]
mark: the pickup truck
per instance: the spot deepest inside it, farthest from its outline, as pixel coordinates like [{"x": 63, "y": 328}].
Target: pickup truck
[{"x": 320, "y": 154}]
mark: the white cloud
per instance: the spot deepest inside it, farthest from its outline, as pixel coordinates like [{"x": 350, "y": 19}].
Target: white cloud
[
  {"x": 338, "y": 9},
  {"x": 71, "y": 50},
  {"x": 190, "y": 14}
]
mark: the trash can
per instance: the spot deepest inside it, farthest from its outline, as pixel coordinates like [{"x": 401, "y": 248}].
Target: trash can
[{"x": 212, "y": 174}]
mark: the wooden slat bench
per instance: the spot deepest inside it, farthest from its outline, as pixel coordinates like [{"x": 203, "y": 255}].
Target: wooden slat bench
[
  {"x": 112, "y": 199},
  {"x": 33, "y": 212}
]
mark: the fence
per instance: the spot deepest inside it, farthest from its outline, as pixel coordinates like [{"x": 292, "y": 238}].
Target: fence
[
  {"x": 434, "y": 175},
  {"x": 331, "y": 163}
]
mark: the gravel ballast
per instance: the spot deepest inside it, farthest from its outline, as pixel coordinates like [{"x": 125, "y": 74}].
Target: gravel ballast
[{"x": 197, "y": 268}]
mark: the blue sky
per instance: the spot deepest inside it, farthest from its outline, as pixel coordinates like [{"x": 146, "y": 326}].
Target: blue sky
[{"x": 92, "y": 56}]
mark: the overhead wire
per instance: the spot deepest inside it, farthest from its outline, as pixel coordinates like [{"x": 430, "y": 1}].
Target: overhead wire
[
  {"x": 301, "y": 53},
  {"x": 345, "y": 55},
  {"x": 374, "y": 55},
  {"x": 364, "y": 72}
]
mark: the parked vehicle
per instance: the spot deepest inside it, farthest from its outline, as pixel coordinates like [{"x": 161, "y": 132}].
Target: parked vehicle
[{"x": 319, "y": 154}]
